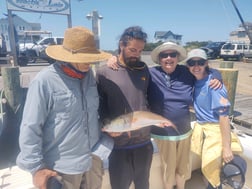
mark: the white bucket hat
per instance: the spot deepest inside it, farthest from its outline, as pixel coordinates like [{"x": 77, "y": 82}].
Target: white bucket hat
[{"x": 168, "y": 46}]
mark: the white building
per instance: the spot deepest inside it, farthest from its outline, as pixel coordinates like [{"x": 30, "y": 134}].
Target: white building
[
  {"x": 20, "y": 26},
  {"x": 167, "y": 36},
  {"x": 240, "y": 35}
]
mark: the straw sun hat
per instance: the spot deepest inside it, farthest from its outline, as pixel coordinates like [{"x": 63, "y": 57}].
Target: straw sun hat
[
  {"x": 78, "y": 47},
  {"x": 168, "y": 46}
]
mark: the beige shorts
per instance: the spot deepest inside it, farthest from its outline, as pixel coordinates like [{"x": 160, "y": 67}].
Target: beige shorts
[{"x": 175, "y": 158}]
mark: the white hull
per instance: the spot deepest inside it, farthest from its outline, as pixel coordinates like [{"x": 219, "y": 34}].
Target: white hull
[
  {"x": 197, "y": 180},
  {"x": 19, "y": 179}
]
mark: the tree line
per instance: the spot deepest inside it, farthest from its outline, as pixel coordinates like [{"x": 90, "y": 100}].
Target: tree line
[{"x": 188, "y": 46}]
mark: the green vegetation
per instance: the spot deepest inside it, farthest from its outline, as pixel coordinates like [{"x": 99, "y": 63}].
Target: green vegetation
[
  {"x": 195, "y": 44},
  {"x": 188, "y": 46},
  {"x": 151, "y": 46}
]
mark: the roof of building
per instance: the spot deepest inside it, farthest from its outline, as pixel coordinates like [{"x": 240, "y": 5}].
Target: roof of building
[{"x": 159, "y": 34}]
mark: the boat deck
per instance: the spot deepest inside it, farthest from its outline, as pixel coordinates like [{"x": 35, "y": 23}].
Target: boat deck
[
  {"x": 243, "y": 111},
  {"x": 16, "y": 178}
]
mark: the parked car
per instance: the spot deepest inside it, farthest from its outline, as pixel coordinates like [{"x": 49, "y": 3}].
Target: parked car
[
  {"x": 44, "y": 42},
  {"x": 213, "y": 49},
  {"x": 236, "y": 51},
  {"x": 35, "y": 50}
]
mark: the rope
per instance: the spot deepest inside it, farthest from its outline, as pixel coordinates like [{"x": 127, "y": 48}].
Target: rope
[{"x": 229, "y": 19}]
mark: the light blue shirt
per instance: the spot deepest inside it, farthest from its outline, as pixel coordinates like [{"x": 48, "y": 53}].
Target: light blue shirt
[
  {"x": 60, "y": 122},
  {"x": 209, "y": 103}
]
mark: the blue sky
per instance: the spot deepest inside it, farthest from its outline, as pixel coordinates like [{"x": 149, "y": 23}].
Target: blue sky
[{"x": 195, "y": 20}]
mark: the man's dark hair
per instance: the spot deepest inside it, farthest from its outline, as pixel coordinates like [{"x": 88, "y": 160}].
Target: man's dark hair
[{"x": 133, "y": 32}]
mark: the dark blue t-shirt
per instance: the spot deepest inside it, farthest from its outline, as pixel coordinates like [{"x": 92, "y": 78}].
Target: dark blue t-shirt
[{"x": 170, "y": 96}]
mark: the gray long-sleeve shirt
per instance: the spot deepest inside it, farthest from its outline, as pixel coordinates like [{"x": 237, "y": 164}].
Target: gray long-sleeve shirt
[
  {"x": 60, "y": 122},
  {"x": 121, "y": 92}
]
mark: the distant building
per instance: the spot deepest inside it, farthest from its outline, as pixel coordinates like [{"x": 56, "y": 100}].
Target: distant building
[
  {"x": 20, "y": 26},
  {"x": 167, "y": 36},
  {"x": 240, "y": 35}
]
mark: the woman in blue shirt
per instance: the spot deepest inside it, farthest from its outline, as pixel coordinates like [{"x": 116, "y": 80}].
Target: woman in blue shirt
[{"x": 211, "y": 137}]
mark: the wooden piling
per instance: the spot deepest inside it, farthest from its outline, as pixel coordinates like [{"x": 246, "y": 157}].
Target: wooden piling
[
  {"x": 229, "y": 77},
  {"x": 226, "y": 64},
  {"x": 14, "y": 109},
  {"x": 12, "y": 88}
]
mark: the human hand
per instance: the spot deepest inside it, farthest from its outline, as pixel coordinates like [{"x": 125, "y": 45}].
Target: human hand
[
  {"x": 54, "y": 183},
  {"x": 168, "y": 123},
  {"x": 165, "y": 124},
  {"x": 41, "y": 177},
  {"x": 111, "y": 63},
  {"x": 227, "y": 155},
  {"x": 113, "y": 134},
  {"x": 215, "y": 84}
]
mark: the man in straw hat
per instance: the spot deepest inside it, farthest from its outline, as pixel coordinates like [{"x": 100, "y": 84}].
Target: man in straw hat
[{"x": 60, "y": 119}]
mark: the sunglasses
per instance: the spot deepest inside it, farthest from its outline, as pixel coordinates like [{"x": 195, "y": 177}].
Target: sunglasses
[
  {"x": 192, "y": 63},
  {"x": 165, "y": 55}
]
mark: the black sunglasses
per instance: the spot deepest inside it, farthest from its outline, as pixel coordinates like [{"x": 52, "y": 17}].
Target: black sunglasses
[
  {"x": 192, "y": 63},
  {"x": 165, "y": 55}
]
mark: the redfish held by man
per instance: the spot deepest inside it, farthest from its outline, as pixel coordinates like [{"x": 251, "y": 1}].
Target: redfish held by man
[{"x": 137, "y": 120}]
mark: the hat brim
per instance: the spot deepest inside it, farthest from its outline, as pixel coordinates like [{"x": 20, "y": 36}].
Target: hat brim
[
  {"x": 234, "y": 171},
  {"x": 168, "y": 46},
  {"x": 196, "y": 54},
  {"x": 57, "y": 52}
]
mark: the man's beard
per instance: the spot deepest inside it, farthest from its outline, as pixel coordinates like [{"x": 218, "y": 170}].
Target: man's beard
[{"x": 131, "y": 61}]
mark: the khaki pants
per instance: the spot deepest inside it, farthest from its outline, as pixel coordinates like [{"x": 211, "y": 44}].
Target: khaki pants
[
  {"x": 207, "y": 144},
  {"x": 88, "y": 180},
  {"x": 175, "y": 158}
]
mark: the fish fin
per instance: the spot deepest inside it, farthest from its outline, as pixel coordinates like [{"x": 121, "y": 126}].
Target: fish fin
[{"x": 174, "y": 127}]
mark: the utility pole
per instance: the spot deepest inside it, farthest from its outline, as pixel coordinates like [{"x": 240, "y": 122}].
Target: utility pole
[
  {"x": 12, "y": 38},
  {"x": 243, "y": 24},
  {"x": 69, "y": 16},
  {"x": 95, "y": 26}
]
